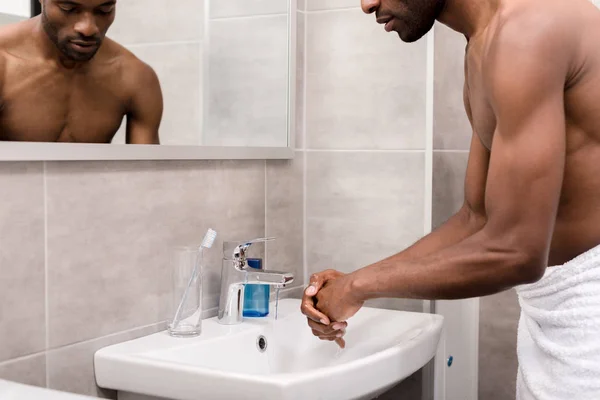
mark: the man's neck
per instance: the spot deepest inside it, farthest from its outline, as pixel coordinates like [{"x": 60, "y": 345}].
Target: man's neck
[{"x": 469, "y": 17}]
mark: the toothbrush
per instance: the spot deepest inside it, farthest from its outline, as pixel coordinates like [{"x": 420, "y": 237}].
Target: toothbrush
[{"x": 207, "y": 243}]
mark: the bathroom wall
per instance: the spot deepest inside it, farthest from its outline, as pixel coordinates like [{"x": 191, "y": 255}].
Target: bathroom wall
[
  {"x": 21, "y": 8},
  {"x": 452, "y": 133},
  {"x": 363, "y": 143},
  {"x": 219, "y": 52},
  {"x": 85, "y": 245}
]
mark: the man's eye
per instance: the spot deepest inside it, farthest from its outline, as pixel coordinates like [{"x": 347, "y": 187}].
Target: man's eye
[
  {"x": 67, "y": 9},
  {"x": 106, "y": 10}
]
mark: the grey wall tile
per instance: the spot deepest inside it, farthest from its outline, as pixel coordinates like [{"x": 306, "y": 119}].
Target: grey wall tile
[
  {"x": 362, "y": 207},
  {"x": 365, "y": 88},
  {"x": 29, "y": 370},
  {"x": 237, "y": 8},
  {"x": 285, "y": 216},
  {"x": 22, "y": 302},
  {"x": 71, "y": 368},
  {"x": 111, "y": 226},
  {"x": 450, "y": 123},
  {"x": 312, "y": 5},
  {"x": 301, "y": 5},
  {"x": 499, "y": 317},
  {"x": 449, "y": 170},
  {"x": 179, "y": 70},
  {"x": 156, "y": 21},
  {"x": 248, "y": 82}
]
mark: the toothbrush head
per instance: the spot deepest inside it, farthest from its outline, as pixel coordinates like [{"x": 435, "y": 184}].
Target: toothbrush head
[{"x": 209, "y": 239}]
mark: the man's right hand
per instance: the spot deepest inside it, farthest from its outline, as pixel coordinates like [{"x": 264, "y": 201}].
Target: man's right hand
[{"x": 319, "y": 323}]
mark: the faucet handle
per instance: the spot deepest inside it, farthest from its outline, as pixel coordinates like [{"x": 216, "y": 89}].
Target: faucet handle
[{"x": 241, "y": 248}]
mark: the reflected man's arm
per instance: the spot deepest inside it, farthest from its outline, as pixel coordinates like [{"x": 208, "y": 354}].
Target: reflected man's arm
[{"x": 146, "y": 108}]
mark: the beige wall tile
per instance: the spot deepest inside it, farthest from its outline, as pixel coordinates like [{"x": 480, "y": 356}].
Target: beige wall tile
[
  {"x": 71, "y": 368},
  {"x": 157, "y": 21},
  {"x": 22, "y": 301},
  {"x": 111, "y": 227},
  {"x": 312, "y": 5},
  {"x": 450, "y": 123},
  {"x": 365, "y": 88},
  {"x": 449, "y": 170},
  {"x": 362, "y": 207},
  {"x": 247, "y": 88},
  {"x": 179, "y": 71},
  {"x": 29, "y": 370},
  {"x": 239, "y": 8},
  {"x": 285, "y": 215}
]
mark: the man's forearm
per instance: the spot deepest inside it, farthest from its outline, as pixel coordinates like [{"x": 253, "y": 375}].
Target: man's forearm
[
  {"x": 457, "y": 228},
  {"x": 476, "y": 266}
]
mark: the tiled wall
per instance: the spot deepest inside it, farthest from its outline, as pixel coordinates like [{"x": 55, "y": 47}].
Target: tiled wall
[
  {"x": 363, "y": 143},
  {"x": 169, "y": 37},
  {"x": 246, "y": 83},
  {"x": 232, "y": 63},
  {"x": 452, "y": 133},
  {"x": 84, "y": 255}
]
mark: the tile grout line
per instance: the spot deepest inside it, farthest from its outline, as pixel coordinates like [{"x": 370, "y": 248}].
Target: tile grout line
[
  {"x": 236, "y": 17},
  {"x": 173, "y": 43},
  {"x": 450, "y": 151},
  {"x": 331, "y": 10},
  {"x": 304, "y": 148},
  {"x": 46, "y": 278},
  {"x": 87, "y": 341},
  {"x": 266, "y": 231}
]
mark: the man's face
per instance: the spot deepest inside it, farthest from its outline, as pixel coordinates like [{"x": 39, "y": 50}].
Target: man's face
[
  {"x": 77, "y": 27},
  {"x": 411, "y": 19}
]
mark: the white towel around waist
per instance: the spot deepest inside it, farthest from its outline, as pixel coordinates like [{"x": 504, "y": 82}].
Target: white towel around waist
[{"x": 558, "y": 344}]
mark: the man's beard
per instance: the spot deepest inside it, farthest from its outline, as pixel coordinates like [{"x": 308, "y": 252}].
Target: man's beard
[{"x": 63, "y": 45}]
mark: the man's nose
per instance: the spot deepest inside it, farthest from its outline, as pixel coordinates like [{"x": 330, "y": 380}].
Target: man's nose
[
  {"x": 370, "y": 6},
  {"x": 86, "y": 26}
]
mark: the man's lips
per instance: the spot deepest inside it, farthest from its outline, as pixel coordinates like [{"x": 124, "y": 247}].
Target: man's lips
[{"x": 388, "y": 21}]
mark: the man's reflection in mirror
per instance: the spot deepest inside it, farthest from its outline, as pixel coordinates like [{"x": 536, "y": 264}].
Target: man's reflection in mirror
[{"x": 62, "y": 80}]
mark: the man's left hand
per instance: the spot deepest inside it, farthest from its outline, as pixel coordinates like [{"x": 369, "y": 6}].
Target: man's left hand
[{"x": 337, "y": 300}]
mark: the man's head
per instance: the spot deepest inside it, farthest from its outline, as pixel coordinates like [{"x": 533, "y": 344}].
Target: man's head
[
  {"x": 412, "y": 19},
  {"x": 77, "y": 27}
]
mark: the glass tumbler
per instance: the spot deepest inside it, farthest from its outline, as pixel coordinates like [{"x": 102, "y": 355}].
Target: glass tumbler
[{"x": 186, "y": 313}]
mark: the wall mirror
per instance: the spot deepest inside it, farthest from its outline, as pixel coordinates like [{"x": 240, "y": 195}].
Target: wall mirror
[{"x": 223, "y": 72}]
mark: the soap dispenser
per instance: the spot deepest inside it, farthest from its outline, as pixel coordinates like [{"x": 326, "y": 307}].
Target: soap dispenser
[{"x": 256, "y": 297}]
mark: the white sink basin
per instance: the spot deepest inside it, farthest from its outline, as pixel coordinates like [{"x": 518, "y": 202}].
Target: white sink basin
[
  {"x": 16, "y": 391},
  {"x": 383, "y": 347}
]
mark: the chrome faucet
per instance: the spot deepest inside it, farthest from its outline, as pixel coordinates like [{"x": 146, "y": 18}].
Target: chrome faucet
[{"x": 235, "y": 275}]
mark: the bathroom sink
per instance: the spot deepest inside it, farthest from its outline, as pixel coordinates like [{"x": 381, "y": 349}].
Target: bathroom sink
[
  {"x": 270, "y": 359},
  {"x": 16, "y": 391}
]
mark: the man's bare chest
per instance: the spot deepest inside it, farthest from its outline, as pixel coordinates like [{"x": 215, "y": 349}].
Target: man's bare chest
[{"x": 41, "y": 105}]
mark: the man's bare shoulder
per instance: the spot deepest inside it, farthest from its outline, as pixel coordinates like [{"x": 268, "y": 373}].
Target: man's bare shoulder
[
  {"x": 136, "y": 74},
  {"x": 132, "y": 68},
  {"x": 14, "y": 38},
  {"x": 540, "y": 31}
]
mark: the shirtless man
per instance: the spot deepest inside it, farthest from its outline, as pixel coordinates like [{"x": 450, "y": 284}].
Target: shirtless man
[
  {"x": 532, "y": 189},
  {"x": 61, "y": 80}
]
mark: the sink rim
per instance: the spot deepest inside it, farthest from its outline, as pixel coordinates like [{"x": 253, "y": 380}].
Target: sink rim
[
  {"x": 288, "y": 377},
  {"x": 137, "y": 371}
]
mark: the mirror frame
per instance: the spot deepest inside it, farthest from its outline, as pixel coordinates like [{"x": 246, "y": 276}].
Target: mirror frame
[{"x": 44, "y": 151}]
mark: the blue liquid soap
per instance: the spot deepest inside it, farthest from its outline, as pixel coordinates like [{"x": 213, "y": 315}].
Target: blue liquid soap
[{"x": 256, "y": 297}]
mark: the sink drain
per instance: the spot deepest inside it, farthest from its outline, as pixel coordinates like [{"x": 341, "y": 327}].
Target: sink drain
[{"x": 261, "y": 343}]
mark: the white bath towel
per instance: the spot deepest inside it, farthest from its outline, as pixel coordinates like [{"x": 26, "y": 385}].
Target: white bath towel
[{"x": 558, "y": 344}]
